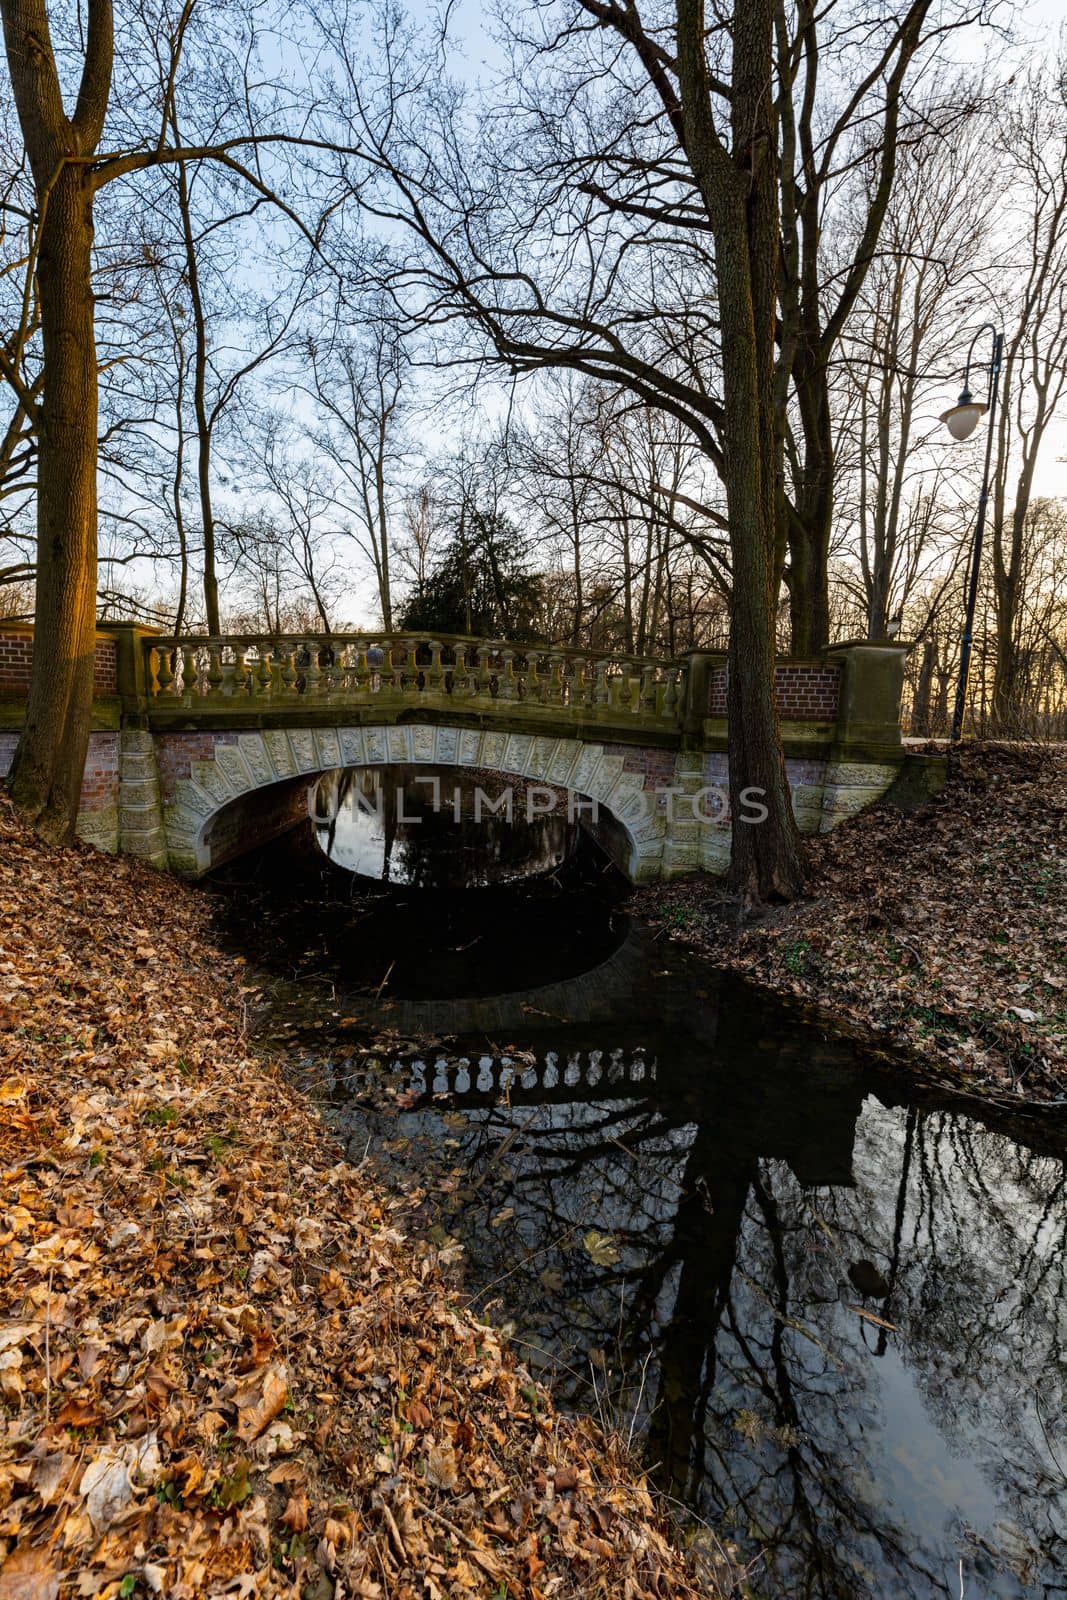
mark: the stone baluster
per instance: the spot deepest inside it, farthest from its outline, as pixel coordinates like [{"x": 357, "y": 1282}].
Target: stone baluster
[
  {"x": 215, "y": 675},
  {"x": 462, "y": 677},
  {"x": 484, "y": 681},
  {"x": 647, "y": 696},
  {"x": 164, "y": 671},
  {"x": 527, "y": 680},
  {"x": 189, "y": 673},
  {"x": 312, "y": 675},
  {"x": 508, "y": 686},
  {"x": 435, "y": 675},
  {"x": 555, "y": 680},
  {"x": 396, "y": 668},
  {"x": 289, "y": 674},
  {"x": 670, "y": 694},
  {"x": 360, "y": 671},
  {"x": 264, "y": 675},
  {"x": 601, "y": 691},
  {"x": 625, "y": 694},
  {"x": 331, "y": 672}
]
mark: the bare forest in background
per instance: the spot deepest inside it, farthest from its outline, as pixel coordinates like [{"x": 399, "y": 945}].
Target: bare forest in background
[{"x": 349, "y": 375}]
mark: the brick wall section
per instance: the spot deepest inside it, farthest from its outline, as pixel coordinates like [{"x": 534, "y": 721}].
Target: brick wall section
[
  {"x": 254, "y": 819},
  {"x": 100, "y": 786},
  {"x": 175, "y": 753},
  {"x": 16, "y": 655},
  {"x": 655, "y": 766},
  {"x": 806, "y": 691}
]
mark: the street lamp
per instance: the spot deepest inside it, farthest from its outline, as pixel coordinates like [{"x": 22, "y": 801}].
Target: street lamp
[{"x": 961, "y": 421}]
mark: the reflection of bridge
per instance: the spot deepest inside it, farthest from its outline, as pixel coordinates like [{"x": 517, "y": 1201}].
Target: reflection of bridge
[
  {"x": 203, "y": 747},
  {"x": 581, "y": 1075},
  {"x": 717, "y": 1064}
]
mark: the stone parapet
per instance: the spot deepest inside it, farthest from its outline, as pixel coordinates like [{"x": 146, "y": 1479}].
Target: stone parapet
[{"x": 204, "y": 747}]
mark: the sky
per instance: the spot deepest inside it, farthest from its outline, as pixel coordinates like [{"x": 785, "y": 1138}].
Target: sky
[{"x": 1044, "y": 22}]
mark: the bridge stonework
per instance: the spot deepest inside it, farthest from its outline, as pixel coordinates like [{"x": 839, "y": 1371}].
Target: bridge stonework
[{"x": 202, "y": 748}]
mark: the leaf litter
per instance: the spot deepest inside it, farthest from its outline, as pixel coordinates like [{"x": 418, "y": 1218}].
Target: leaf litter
[
  {"x": 938, "y": 934},
  {"x": 224, "y": 1369}
]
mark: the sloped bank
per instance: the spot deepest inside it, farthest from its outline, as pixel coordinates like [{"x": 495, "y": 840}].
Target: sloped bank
[
  {"x": 938, "y": 935},
  {"x": 223, "y": 1370}
]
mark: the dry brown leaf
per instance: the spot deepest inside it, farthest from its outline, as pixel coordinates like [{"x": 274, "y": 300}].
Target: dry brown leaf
[
  {"x": 29, "y": 1574},
  {"x": 262, "y": 1403},
  {"x": 295, "y": 1515}
]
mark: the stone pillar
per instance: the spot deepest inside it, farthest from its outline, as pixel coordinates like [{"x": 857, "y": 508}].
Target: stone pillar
[
  {"x": 133, "y": 685},
  {"x": 868, "y": 748},
  {"x": 700, "y": 664},
  {"x": 140, "y": 804}
]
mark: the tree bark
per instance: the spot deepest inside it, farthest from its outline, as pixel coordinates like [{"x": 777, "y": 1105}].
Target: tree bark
[
  {"x": 204, "y": 427},
  {"x": 49, "y": 763},
  {"x": 741, "y": 194}
]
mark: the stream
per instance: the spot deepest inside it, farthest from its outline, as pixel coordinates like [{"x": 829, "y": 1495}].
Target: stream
[{"x": 829, "y": 1308}]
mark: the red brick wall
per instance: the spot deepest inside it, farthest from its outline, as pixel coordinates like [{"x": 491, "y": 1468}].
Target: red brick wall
[
  {"x": 655, "y": 766},
  {"x": 806, "y": 691},
  {"x": 16, "y": 654},
  {"x": 175, "y": 753},
  {"x": 100, "y": 786},
  {"x": 255, "y": 818}
]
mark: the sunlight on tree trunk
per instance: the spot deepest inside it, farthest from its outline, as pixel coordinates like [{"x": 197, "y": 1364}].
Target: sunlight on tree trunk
[{"x": 46, "y": 775}]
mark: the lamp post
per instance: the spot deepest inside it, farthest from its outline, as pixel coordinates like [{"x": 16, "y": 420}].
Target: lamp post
[{"x": 961, "y": 421}]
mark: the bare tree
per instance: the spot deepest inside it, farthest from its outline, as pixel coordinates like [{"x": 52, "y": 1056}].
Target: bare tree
[
  {"x": 1034, "y": 141},
  {"x": 359, "y": 392},
  {"x": 69, "y": 172}
]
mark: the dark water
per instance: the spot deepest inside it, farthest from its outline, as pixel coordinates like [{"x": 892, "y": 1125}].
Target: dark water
[
  {"x": 833, "y": 1315},
  {"x": 427, "y": 828}
]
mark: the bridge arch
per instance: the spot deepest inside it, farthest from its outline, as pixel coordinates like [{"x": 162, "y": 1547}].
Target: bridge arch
[{"x": 244, "y": 788}]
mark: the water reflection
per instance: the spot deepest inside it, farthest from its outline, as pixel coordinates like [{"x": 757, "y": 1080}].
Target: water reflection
[
  {"x": 438, "y": 828},
  {"x": 838, "y": 1322},
  {"x": 835, "y": 1314}
]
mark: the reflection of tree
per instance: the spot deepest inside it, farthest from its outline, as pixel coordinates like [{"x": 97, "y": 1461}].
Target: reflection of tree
[
  {"x": 418, "y": 827},
  {"x": 726, "y": 1323}
]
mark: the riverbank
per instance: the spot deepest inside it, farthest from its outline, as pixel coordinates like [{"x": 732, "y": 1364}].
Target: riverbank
[
  {"x": 939, "y": 934},
  {"x": 223, "y": 1368}
]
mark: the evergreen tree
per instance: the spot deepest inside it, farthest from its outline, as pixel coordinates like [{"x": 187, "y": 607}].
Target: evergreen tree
[{"x": 480, "y": 584}]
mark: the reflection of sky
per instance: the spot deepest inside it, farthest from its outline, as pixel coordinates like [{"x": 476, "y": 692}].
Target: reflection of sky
[
  {"x": 393, "y": 826},
  {"x": 894, "y": 1454}
]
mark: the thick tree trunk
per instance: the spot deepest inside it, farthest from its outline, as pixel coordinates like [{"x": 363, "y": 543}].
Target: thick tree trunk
[
  {"x": 740, "y": 191},
  {"x": 810, "y": 529},
  {"x": 1006, "y": 717},
  {"x": 766, "y": 860},
  {"x": 46, "y": 776}
]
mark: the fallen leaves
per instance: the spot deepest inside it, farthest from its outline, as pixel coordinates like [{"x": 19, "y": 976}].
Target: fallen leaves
[
  {"x": 941, "y": 933},
  {"x": 223, "y": 1369},
  {"x": 260, "y": 1401}
]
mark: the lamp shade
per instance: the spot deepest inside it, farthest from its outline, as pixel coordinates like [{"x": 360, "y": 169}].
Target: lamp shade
[{"x": 962, "y": 420}]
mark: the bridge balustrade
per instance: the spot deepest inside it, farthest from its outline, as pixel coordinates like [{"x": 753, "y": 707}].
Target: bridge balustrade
[{"x": 194, "y": 673}]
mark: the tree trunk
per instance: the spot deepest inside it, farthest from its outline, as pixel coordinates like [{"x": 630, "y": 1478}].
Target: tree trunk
[
  {"x": 1005, "y": 671},
  {"x": 740, "y": 191},
  {"x": 385, "y": 596},
  {"x": 200, "y": 405},
  {"x": 920, "y": 708},
  {"x": 809, "y": 530},
  {"x": 46, "y": 775}
]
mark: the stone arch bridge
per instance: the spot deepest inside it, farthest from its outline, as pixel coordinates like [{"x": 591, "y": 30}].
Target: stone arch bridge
[{"x": 204, "y": 747}]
